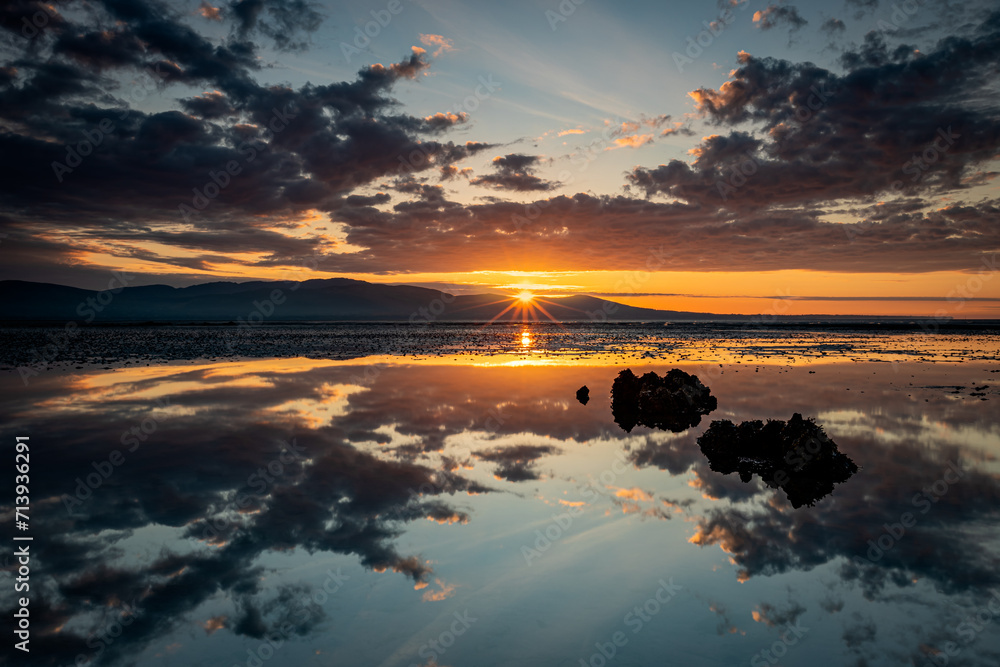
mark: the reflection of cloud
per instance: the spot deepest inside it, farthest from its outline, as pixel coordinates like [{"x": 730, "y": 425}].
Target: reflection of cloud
[
  {"x": 315, "y": 493},
  {"x": 773, "y": 616},
  {"x": 769, "y": 538},
  {"x": 631, "y": 494},
  {"x": 215, "y": 624},
  {"x": 516, "y": 462},
  {"x": 209, "y": 12},
  {"x": 725, "y": 625},
  {"x": 445, "y": 592}
]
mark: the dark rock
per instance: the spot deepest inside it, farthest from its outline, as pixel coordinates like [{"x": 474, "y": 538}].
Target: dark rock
[
  {"x": 583, "y": 394},
  {"x": 796, "y": 456},
  {"x": 674, "y": 402}
]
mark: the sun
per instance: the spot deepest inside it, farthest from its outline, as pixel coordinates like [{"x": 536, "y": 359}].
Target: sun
[{"x": 525, "y": 297}]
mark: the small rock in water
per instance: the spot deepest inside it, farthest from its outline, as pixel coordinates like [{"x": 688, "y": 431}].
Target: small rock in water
[
  {"x": 674, "y": 402},
  {"x": 583, "y": 394}
]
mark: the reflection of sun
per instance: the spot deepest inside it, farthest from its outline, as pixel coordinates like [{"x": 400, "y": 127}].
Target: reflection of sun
[
  {"x": 525, "y": 338},
  {"x": 525, "y": 297}
]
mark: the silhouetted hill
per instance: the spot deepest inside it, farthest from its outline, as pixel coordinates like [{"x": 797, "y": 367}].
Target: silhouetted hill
[{"x": 336, "y": 299}]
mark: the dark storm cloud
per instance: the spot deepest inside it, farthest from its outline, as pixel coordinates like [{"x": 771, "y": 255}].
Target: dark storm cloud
[
  {"x": 895, "y": 121},
  {"x": 209, "y": 106},
  {"x": 773, "y": 16},
  {"x": 794, "y": 140},
  {"x": 587, "y": 232},
  {"x": 833, "y": 26},
  {"x": 514, "y": 172},
  {"x": 287, "y": 22},
  {"x": 294, "y": 149}
]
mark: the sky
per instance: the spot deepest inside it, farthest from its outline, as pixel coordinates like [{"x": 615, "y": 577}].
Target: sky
[{"x": 729, "y": 157}]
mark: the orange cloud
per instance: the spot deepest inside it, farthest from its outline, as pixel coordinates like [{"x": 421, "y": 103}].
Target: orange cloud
[
  {"x": 209, "y": 12},
  {"x": 632, "y": 141},
  {"x": 443, "y": 44},
  {"x": 447, "y": 590},
  {"x": 214, "y": 624},
  {"x": 565, "y": 132},
  {"x": 636, "y": 494},
  {"x": 454, "y": 518}
]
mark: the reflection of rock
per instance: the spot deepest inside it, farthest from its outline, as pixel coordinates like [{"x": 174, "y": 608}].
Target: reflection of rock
[
  {"x": 583, "y": 394},
  {"x": 796, "y": 456},
  {"x": 674, "y": 402}
]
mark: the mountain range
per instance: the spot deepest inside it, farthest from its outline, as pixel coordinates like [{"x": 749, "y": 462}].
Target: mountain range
[
  {"x": 322, "y": 300},
  {"x": 335, "y": 299}
]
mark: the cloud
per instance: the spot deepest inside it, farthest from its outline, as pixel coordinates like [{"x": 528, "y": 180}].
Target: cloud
[
  {"x": 450, "y": 172},
  {"x": 773, "y": 616},
  {"x": 833, "y": 26},
  {"x": 330, "y": 497},
  {"x": 632, "y": 141},
  {"x": 825, "y": 137},
  {"x": 517, "y": 462},
  {"x": 209, "y": 12},
  {"x": 443, "y": 45},
  {"x": 774, "y": 15},
  {"x": 815, "y": 144},
  {"x": 288, "y": 23},
  {"x": 445, "y": 591},
  {"x": 514, "y": 171}
]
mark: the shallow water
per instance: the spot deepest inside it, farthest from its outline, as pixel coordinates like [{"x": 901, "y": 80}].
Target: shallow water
[{"x": 466, "y": 509}]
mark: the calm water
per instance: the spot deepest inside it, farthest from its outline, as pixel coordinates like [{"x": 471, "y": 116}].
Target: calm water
[{"x": 462, "y": 508}]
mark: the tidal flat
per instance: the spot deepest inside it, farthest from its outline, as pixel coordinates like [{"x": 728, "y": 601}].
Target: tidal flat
[{"x": 365, "y": 497}]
